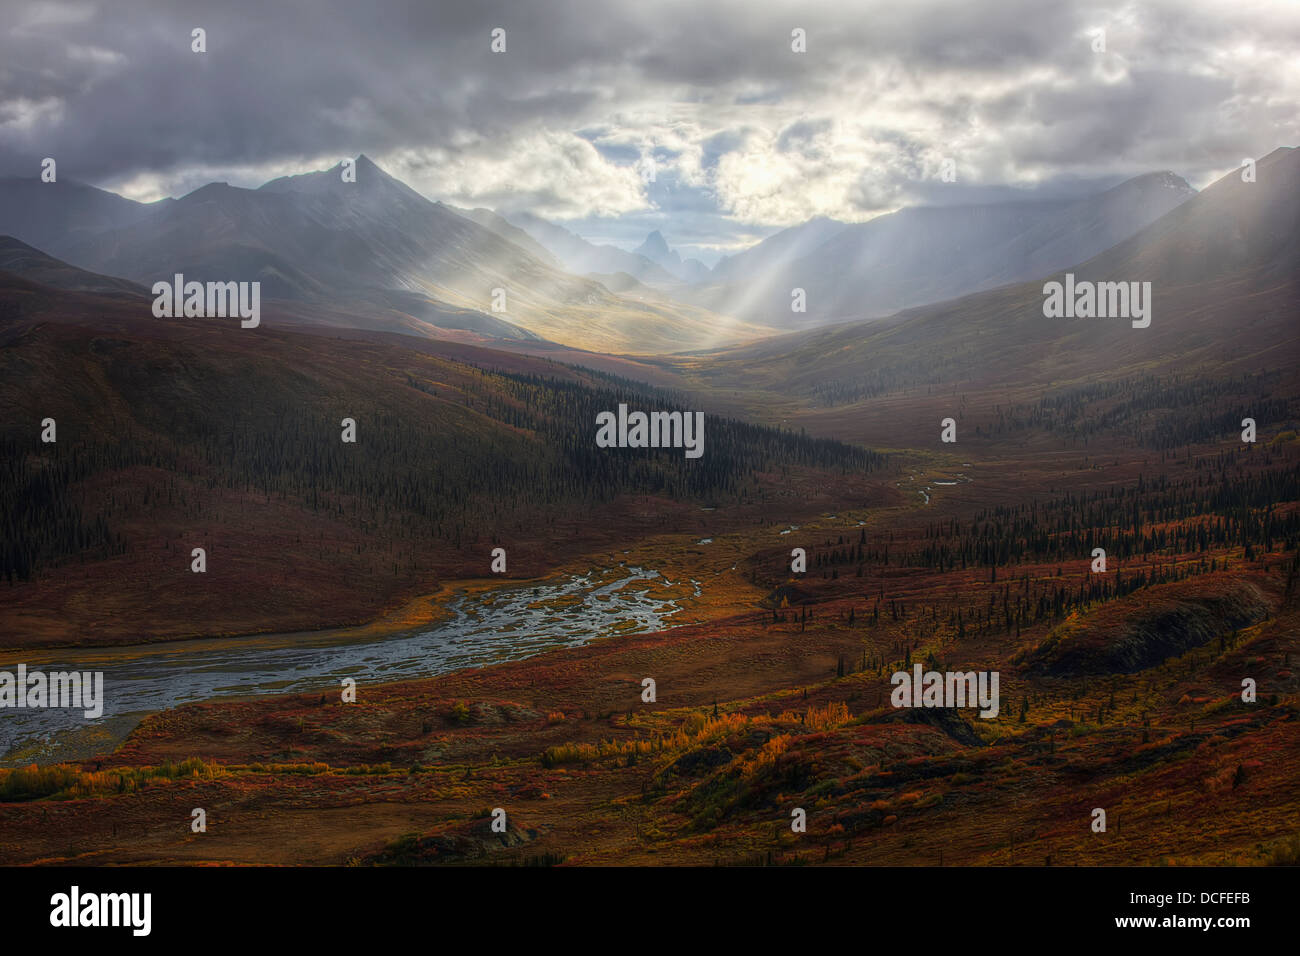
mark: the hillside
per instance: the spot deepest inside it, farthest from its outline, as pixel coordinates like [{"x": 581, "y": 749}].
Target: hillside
[
  {"x": 180, "y": 434},
  {"x": 22, "y": 260},
  {"x": 56, "y": 216},
  {"x": 1224, "y": 275}
]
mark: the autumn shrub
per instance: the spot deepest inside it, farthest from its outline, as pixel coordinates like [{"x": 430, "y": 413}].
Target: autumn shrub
[
  {"x": 1285, "y": 852},
  {"x": 33, "y": 782}
]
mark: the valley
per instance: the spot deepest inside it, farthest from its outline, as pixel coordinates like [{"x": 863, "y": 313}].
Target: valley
[
  {"x": 773, "y": 692},
  {"x": 1159, "y": 688}
]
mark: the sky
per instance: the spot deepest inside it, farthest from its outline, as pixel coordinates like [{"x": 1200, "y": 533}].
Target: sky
[{"x": 744, "y": 134}]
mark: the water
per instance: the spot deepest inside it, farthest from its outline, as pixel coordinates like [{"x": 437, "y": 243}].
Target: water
[
  {"x": 508, "y": 623},
  {"x": 943, "y": 482}
]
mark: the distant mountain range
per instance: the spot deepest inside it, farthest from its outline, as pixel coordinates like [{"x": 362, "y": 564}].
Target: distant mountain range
[
  {"x": 656, "y": 249},
  {"x": 927, "y": 254},
  {"x": 373, "y": 246},
  {"x": 1224, "y": 268},
  {"x": 587, "y": 258},
  {"x": 380, "y": 252}
]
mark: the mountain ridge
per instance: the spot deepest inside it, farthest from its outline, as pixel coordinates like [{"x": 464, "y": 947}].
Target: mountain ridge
[
  {"x": 378, "y": 245},
  {"x": 881, "y": 266}
]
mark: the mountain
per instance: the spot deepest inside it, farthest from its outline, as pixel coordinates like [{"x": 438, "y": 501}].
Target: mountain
[
  {"x": 20, "y": 259},
  {"x": 1224, "y": 269},
  {"x": 1233, "y": 230},
  {"x": 656, "y": 249},
  {"x": 511, "y": 233},
  {"x": 785, "y": 246},
  {"x": 32, "y": 271},
  {"x": 371, "y": 247},
  {"x": 1089, "y": 226},
  {"x": 587, "y": 258},
  {"x": 54, "y": 216},
  {"x": 929, "y": 254}
]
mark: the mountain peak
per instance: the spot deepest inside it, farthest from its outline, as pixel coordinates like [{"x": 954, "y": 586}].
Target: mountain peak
[
  {"x": 368, "y": 173},
  {"x": 656, "y": 249},
  {"x": 1164, "y": 178},
  {"x": 209, "y": 191}
]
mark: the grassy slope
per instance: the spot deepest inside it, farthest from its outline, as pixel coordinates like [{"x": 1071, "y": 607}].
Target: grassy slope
[{"x": 201, "y": 434}]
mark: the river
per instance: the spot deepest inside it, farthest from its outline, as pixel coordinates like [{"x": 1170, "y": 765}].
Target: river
[{"x": 509, "y": 622}]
